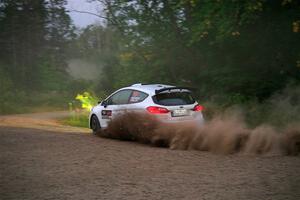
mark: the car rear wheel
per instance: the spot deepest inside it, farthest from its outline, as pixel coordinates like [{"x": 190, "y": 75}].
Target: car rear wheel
[{"x": 95, "y": 124}]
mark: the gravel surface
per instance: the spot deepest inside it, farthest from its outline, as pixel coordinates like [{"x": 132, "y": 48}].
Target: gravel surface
[
  {"x": 43, "y": 164},
  {"x": 43, "y": 121}
]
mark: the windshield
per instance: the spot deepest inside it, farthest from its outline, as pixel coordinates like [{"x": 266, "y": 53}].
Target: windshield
[{"x": 173, "y": 98}]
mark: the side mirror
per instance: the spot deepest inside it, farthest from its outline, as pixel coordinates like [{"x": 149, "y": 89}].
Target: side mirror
[{"x": 104, "y": 103}]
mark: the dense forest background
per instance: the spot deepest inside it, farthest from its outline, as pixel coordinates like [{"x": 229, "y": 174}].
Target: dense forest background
[{"x": 235, "y": 52}]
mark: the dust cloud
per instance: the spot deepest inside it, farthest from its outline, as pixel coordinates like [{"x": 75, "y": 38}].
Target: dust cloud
[
  {"x": 220, "y": 135},
  {"x": 82, "y": 69}
]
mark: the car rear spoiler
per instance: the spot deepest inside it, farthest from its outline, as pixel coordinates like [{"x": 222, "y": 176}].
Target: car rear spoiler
[{"x": 172, "y": 88}]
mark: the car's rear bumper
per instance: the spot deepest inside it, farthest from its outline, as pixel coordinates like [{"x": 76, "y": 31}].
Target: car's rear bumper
[{"x": 193, "y": 119}]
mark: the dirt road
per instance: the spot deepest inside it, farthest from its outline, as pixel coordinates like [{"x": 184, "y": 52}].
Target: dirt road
[{"x": 72, "y": 164}]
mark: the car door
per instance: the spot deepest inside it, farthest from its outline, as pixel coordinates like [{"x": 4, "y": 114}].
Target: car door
[{"x": 114, "y": 106}]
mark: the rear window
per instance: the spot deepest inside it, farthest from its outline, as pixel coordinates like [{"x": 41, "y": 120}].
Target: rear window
[{"x": 173, "y": 98}]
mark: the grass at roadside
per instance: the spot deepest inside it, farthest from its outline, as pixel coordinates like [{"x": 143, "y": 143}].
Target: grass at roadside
[
  {"x": 21, "y": 102},
  {"x": 77, "y": 119}
]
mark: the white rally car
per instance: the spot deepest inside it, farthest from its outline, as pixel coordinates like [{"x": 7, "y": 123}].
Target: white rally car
[{"x": 168, "y": 103}]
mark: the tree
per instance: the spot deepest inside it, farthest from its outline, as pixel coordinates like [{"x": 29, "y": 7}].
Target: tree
[
  {"x": 33, "y": 38},
  {"x": 244, "y": 49},
  {"x": 23, "y": 26}
]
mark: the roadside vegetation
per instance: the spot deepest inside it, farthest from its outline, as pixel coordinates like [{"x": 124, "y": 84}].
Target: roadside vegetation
[
  {"x": 242, "y": 56},
  {"x": 79, "y": 119},
  {"x": 80, "y": 109}
]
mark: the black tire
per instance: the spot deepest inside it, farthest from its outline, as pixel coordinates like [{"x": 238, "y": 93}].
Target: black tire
[{"x": 95, "y": 125}]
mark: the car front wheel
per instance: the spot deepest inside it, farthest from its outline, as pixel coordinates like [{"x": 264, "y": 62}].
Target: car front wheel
[{"x": 95, "y": 124}]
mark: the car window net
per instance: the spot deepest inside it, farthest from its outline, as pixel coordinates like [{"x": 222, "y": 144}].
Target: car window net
[{"x": 137, "y": 97}]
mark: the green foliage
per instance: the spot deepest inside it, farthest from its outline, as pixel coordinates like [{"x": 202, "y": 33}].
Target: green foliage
[
  {"x": 17, "y": 101},
  {"x": 221, "y": 19},
  {"x": 239, "y": 51},
  {"x": 235, "y": 52},
  {"x": 78, "y": 119},
  {"x": 5, "y": 82},
  {"x": 281, "y": 109},
  {"x": 33, "y": 37},
  {"x": 7, "y": 92}
]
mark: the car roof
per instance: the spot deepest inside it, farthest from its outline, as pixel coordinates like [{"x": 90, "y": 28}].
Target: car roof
[{"x": 148, "y": 88}]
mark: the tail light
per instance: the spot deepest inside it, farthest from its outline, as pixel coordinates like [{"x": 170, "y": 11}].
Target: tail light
[
  {"x": 157, "y": 110},
  {"x": 198, "y": 108}
]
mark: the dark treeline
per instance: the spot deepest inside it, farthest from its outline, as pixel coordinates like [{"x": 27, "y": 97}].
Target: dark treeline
[
  {"x": 242, "y": 49},
  {"x": 33, "y": 40},
  {"x": 34, "y": 36},
  {"x": 232, "y": 51}
]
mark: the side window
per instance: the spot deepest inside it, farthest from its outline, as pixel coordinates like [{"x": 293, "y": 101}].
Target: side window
[
  {"x": 120, "y": 97},
  {"x": 137, "y": 96}
]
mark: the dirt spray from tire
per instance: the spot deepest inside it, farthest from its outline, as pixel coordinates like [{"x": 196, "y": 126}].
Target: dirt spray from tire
[{"x": 220, "y": 136}]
